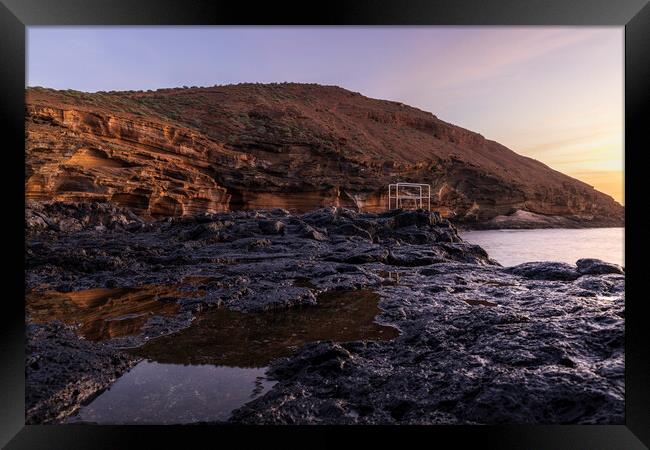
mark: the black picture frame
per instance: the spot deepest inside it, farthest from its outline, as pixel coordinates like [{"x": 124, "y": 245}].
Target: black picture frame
[{"x": 15, "y": 15}]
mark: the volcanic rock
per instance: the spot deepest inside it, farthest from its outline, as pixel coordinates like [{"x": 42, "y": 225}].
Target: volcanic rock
[
  {"x": 545, "y": 270},
  {"x": 62, "y": 371},
  {"x": 271, "y": 226},
  {"x": 478, "y": 343},
  {"x": 591, "y": 266},
  {"x": 498, "y": 351}
]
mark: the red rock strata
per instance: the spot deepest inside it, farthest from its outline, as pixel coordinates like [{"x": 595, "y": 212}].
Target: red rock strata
[{"x": 297, "y": 146}]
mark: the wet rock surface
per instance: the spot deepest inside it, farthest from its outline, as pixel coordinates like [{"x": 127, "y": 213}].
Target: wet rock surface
[
  {"x": 62, "y": 371},
  {"x": 545, "y": 271},
  {"x": 536, "y": 343},
  {"x": 590, "y": 266},
  {"x": 250, "y": 257},
  {"x": 478, "y": 346}
]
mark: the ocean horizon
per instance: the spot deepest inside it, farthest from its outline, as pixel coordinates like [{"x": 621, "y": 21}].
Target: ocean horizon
[{"x": 511, "y": 247}]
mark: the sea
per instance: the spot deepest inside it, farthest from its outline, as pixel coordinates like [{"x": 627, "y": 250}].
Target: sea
[{"x": 512, "y": 247}]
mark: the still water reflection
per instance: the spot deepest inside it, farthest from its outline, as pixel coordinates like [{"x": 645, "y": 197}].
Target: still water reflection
[
  {"x": 232, "y": 338},
  {"x": 154, "y": 393},
  {"x": 216, "y": 365},
  {"x": 103, "y": 313}
]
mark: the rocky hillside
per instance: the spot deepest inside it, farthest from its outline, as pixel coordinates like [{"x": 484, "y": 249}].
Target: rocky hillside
[{"x": 297, "y": 146}]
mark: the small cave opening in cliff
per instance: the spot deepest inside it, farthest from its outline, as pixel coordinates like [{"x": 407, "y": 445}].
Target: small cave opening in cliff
[
  {"x": 236, "y": 200},
  {"x": 93, "y": 158},
  {"x": 136, "y": 201},
  {"x": 165, "y": 206}
]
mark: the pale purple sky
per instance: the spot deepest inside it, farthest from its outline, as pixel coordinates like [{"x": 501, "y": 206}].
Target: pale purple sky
[{"x": 552, "y": 93}]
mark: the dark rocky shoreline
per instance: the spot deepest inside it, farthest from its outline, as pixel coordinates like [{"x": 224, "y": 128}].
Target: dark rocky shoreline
[
  {"x": 479, "y": 343},
  {"x": 525, "y": 220},
  {"x": 63, "y": 371}
]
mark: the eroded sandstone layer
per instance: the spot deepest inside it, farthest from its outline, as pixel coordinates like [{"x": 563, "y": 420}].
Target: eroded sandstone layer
[
  {"x": 478, "y": 343},
  {"x": 176, "y": 152}
]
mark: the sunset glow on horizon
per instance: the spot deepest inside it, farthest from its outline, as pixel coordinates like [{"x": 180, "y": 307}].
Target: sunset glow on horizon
[{"x": 551, "y": 93}]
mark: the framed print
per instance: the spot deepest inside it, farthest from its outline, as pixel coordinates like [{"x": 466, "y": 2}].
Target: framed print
[{"x": 353, "y": 220}]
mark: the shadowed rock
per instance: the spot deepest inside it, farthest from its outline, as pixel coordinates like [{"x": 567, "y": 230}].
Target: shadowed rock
[
  {"x": 63, "y": 371},
  {"x": 545, "y": 271},
  {"x": 589, "y": 266},
  {"x": 271, "y": 226},
  {"x": 478, "y": 343}
]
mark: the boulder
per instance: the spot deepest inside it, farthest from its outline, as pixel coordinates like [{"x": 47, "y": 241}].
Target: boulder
[
  {"x": 271, "y": 226},
  {"x": 591, "y": 266},
  {"x": 310, "y": 232},
  {"x": 419, "y": 218},
  {"x": 545, "y": 270}
]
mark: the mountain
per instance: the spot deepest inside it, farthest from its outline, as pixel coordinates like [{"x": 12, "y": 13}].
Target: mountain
[{"x": 185, "y": 151}]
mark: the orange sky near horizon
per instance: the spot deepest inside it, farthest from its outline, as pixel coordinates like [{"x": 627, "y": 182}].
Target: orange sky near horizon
[{"x": 555, "y": 94}]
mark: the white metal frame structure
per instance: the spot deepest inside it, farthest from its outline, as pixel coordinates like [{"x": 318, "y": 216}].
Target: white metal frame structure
[{"x": 417, "y": 193}]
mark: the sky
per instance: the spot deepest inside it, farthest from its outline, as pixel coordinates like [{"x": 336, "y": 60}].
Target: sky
[{"x": 552, "y": 93}]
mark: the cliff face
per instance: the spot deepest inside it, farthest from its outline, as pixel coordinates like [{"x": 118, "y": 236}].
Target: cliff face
[{"x": 186, "y": 151}]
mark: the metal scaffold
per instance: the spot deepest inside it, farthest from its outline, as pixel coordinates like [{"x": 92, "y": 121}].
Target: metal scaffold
[{"x": 409, "y": 195}]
